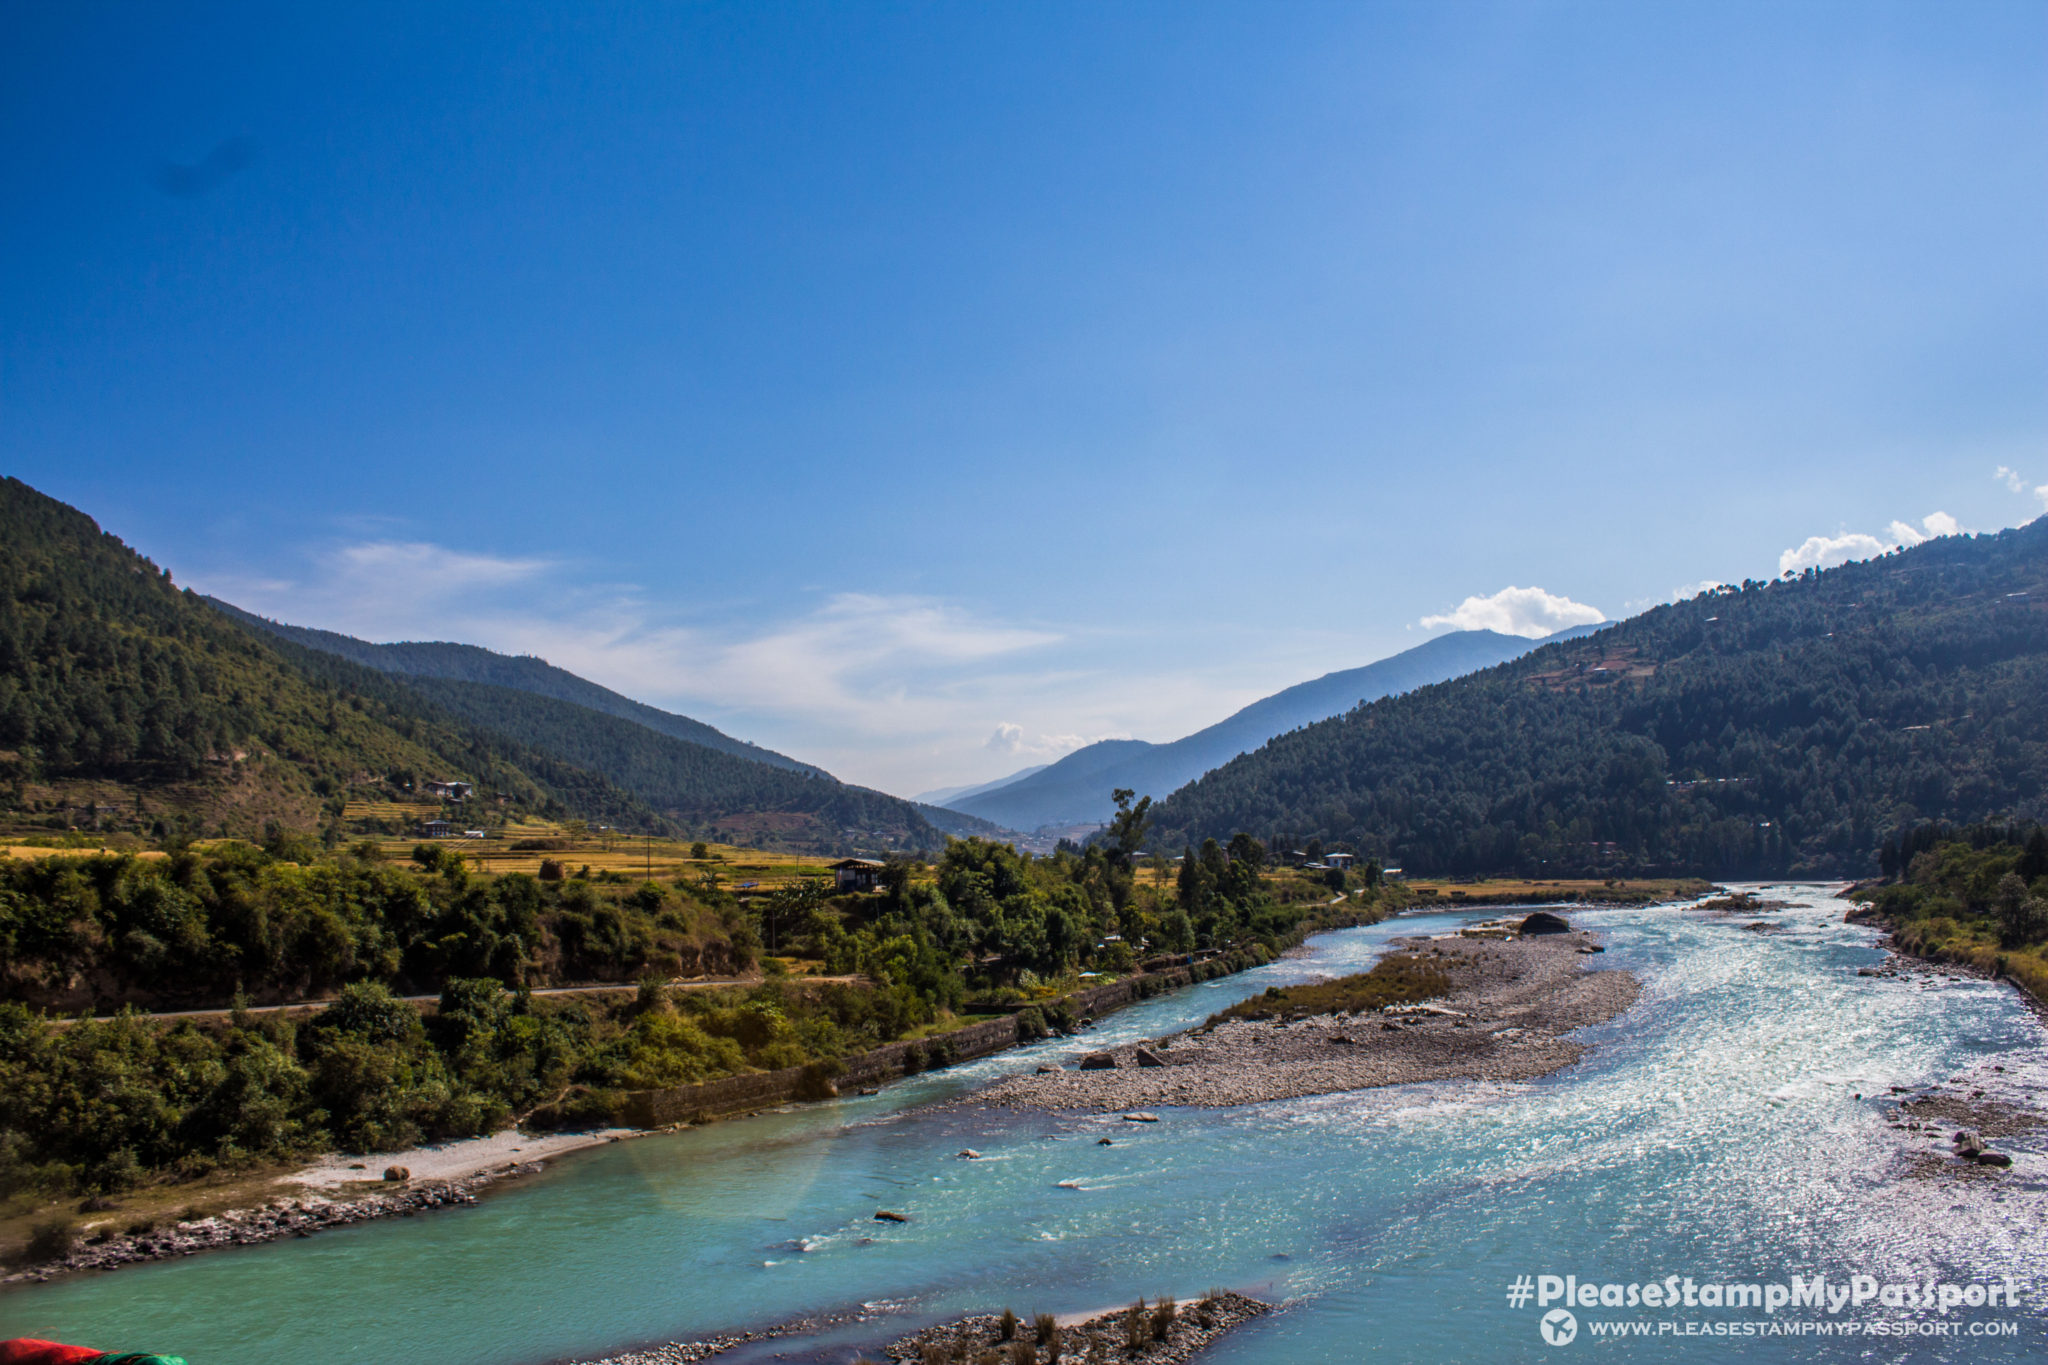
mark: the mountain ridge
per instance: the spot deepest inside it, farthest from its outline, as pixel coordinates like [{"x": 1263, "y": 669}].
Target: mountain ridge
[
  {"x": 1076, "y": 789},
  {"x": 1780, "y": 728},
  {"x": 521, "y": 672}
]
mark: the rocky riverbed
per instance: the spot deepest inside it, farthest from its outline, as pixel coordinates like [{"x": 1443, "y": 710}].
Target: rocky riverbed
[
  {"x": 1511, "y": 1002},
  {"x": 282, "y": 1218},
  {"x": 1152, "y": 1334}
]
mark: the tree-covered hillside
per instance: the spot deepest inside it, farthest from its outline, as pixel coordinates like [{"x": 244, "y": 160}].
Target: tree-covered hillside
[
  {"x": 696, "y": 786},
  {"x": 111, "y": 676},
  {"x": 1777, "y": 728},
  {"x": 1076, "y": 790},
  {"x": 523, "y": 673}
]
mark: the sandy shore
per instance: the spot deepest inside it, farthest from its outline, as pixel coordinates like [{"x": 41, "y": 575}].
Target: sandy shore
[
  {"x": 335, "y": 1192},
  {"x": 459, "y": 1160},
  {"x": 1510, "y": 1005}
]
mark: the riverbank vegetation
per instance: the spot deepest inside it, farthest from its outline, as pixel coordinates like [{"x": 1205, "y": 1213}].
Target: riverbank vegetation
[
  {"x": 1397, "y": 979},
  {"x": 89, "y": 1106},
  {"x": 1976, "y": 896}
]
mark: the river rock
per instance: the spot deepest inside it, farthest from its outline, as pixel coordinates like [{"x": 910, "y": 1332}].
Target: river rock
[
  {"x": 1099, "y": 1061},
  {"x": 885, "y": 1216},
  {"x": 1969, "y": 1144},
  {"x": 969, "y": 1154},
  {"x": 1141, "y": 1117},
  {"x": 1048, "y": 1070},
  {"x": 1988, "y": 1158},
  {"x": 1543, "y": 922},
  {"x": 397, "y": 1175},
  {"x": 1147, "y": 1057}
]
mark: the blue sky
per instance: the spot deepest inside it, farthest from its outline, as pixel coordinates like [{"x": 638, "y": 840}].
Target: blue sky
[{"x": 923, "y": 389}]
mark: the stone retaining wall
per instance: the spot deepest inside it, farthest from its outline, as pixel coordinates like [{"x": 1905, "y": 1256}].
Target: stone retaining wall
[{"x": 766, "y": 1089}]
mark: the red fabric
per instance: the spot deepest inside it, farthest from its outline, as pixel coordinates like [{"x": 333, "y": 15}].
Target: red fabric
[{"x": 29, "y": 1351}]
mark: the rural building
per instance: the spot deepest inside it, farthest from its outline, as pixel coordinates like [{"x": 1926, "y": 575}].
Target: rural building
[
  {"x": 450, "y": 791},
  {"x": 437, "y": 829},
  {"x": 1338, "y": 859},
  {"x": 856, "y": 874}
]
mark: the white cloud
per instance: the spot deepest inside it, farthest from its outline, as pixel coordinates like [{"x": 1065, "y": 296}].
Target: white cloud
[
  {"x": 2011, "y": 479},
  {"x": 1824, "y": 552},
  {"x": 1528, "y": 612},
  {"x": 1015, "y": 741}
]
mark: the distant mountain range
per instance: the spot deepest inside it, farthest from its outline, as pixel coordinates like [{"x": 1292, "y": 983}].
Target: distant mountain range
[
  {"x": 946, "y": 795},
  {"x": 1076, "y": 790},
  {"x": 1783, "y": 728}
]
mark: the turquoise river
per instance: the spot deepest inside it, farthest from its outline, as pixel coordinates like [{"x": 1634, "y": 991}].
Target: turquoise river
[{"x": 1728, "y": 1129}]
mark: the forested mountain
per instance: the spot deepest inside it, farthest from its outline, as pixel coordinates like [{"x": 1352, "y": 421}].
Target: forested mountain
[
  {"x": 1785, "y": 727},
  {"x": 523, "y": 673},
  {"x": 1076, "y": 789},
  {"x": 698, "y": 787},
  {"x": 727, "y": 790},
  {"x": 128, "y": 704},
  {"x": 119, "y": 690}
]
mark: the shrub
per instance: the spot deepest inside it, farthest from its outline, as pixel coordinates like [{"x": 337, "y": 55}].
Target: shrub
[
  {"x": 52, "y": 1240},
  {"x": 1137, "y": 1327},
  {"x": 913, "y": 1059},
  {"x": 1047, "y": 1327},
  {"x": 1023, "y": 1353},
  {"x": 816, "y": 1081},
  {"x": 1162, "y": 1316},
  {"x": 1008, "y": 1325},
  {"x": 1030, "y": 1024}
]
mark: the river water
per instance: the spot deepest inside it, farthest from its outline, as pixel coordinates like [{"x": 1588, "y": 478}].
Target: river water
[{"x": 1713, "y": 1132}]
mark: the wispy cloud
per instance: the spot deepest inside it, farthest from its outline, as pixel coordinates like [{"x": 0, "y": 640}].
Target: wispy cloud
[
  {"x": 897, "y": 688},
  {"x": 2012, "y": 479},
  {"x": 1015, "y": 741},
  {"x": 1824, "y": 552},
  {"x": 1528, "y": 612}
]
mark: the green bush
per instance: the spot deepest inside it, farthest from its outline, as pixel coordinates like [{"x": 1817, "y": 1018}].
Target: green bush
[{"x": 51, "y": 1240}]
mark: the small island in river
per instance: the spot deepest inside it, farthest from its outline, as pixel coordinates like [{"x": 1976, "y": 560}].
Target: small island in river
[{"x": 1491, "y": 1004}]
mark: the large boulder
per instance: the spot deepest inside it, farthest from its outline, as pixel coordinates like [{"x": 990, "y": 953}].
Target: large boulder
[
  {"x": 1147, "y": 1057},
  {"x": 1099, "y": 1061},
  {"x": 1543, "y": 922}
]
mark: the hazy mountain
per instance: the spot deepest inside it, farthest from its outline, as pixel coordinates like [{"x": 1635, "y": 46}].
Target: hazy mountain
[
  {"x": 1785, "y": 728},
  {"x": 944, "y": 795},
  {"x": 1076, "y": 789},
  {"x": 522, "y": 673}
]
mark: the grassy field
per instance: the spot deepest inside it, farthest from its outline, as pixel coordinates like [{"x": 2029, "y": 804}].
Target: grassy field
[
  {"x": 1511, "y": 891},
  {"x": 38, "y": 851},
  {"x": 628, "y": 855},
  {"x": 1398, "y": 979}
]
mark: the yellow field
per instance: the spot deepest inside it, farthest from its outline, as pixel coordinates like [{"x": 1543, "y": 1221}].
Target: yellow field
[
  {"x": 37, "y": 851},
  {"x": 631, "y": 855}
]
